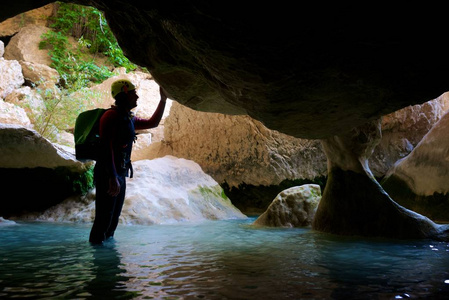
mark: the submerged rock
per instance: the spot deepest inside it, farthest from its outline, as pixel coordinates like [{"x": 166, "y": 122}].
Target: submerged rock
[
  {"x": 163, "y": 191},
  {"x": 293, "y": 207}
]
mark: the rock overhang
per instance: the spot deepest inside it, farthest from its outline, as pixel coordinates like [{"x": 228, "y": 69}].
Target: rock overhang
[{"x": 307, "y": 71}]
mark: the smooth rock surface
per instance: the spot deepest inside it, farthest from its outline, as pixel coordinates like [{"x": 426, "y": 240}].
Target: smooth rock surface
[
  {"x": 293, "y": 207},
  {"x": 163, "y": 191}
]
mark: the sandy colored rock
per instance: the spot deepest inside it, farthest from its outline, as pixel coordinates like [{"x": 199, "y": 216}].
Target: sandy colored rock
[
  {"x": 238, "y": 149},
  {"x": 430, "y": 157},
  {"x": 36, "y": 16},
  {"x": 11, "y": 76},
  {"x": 25, "y": 148},
  {"x": 25, "y": 46},
  {"x": 293, "y": 207},
  {"x": 13, "y": 114},
  {"x": 38, "y": 73},
  {"x": 163, "y": 191}
]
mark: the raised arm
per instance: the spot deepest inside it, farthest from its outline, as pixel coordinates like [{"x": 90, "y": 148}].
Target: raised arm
[{"x": 140, "y": 123}]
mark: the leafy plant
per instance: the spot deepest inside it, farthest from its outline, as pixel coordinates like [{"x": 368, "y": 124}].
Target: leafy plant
[
  {"x": 89, "y": 27},
  {"x": 61, "y": 109},
  {"x": 79, "y": 64}
]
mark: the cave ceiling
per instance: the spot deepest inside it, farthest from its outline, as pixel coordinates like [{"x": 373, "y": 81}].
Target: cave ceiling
[{"x": 310, "y": 71}]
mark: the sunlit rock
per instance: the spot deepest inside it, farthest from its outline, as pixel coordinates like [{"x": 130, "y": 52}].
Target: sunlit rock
[
  {"x": 239, "y": 149},
  {"x": 169, "y": 189},
  {"x": 25, "y": 148},
  {"x": 11, "y": 76},
  {"x": 163, "y": 191},
  {"x": 403, "y": 130},
  {"x": 39, "y": 74},
  {"x": 29, "y": 100},
  {"x": 354, "y": 203},
  {"x": 25, "y": 45},
  {"x": 293, "y": 207},
  {"x": 420, "y": 181},
  {"x": 36, "y": 16},
  {"x": 13, "y": 114}
]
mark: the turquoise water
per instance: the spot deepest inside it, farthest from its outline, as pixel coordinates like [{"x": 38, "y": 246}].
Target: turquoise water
[{"x": 215, "y": 260}]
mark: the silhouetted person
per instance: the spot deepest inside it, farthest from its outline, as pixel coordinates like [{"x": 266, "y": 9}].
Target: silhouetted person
[{"x": 117, "y": 135}]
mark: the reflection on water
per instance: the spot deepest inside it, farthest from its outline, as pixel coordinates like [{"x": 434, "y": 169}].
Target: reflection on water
[
  {"x": 108, "y": 281},
  {"x": 215, "y": 260}
]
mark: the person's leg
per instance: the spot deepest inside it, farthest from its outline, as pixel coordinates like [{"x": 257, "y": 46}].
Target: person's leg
[
  {"x": 104, "y": 205},
  {"x": 117, "y": 210}
]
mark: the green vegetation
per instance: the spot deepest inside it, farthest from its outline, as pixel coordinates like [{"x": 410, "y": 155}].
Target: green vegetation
[
  {"x": 78, "y": 65},
  {"x": 217, "y": 192},
  {"x": 82, "y": 183},
  {"x": 84, "y": 52}
]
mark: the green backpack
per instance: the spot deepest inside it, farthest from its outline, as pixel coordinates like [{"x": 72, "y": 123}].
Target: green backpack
[{"x": 87, "y": 134}]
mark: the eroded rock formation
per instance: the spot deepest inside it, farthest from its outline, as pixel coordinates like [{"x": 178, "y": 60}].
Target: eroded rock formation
[
  {"x": 237, "y": 149},
  {"x": 420, "y": 181},
  {"x": 354, "y": 203},
  {"x": 311, "y": 72}
]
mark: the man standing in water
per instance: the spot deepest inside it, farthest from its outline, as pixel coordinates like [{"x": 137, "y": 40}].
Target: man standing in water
[{"x": 117, "y": 135}]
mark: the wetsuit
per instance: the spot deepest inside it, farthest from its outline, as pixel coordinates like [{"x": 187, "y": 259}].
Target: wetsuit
[{"x": 117, "y": 135}]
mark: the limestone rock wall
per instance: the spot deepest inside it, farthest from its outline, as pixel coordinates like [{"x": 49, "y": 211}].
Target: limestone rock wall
[
  {"x": 420, "y": 181},
  {"x": 403, "y": 130},
  {"x": 238, "y": 149}
]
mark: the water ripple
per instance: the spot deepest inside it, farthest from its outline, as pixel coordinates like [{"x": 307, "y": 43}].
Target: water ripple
[{"x": 215, "y": 260}]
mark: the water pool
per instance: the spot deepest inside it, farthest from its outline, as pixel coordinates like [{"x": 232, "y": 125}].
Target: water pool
[{"x": 215, "y": 260}]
